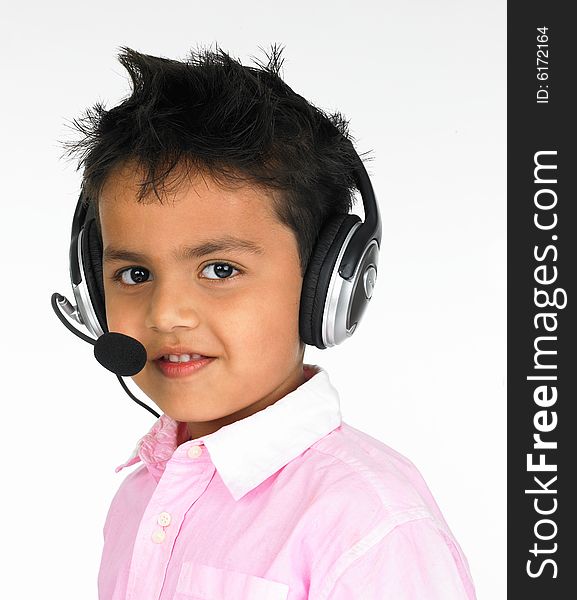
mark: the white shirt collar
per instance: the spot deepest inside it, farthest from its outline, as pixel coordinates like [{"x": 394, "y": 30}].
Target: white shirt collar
[{"x": 250, "y": 450}]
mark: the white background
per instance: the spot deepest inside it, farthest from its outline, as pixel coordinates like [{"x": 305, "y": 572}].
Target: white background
[{"x": 423, "y": 84}]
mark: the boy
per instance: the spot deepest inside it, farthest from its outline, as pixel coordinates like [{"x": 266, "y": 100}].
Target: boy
[{"x": 251, "y": 485}]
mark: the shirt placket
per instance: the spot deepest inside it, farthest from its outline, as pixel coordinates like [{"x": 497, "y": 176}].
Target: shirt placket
[{"x": 185, "y": 478}]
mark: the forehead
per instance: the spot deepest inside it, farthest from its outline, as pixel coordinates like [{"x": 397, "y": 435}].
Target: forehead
[{"x": 198, "y": 206}]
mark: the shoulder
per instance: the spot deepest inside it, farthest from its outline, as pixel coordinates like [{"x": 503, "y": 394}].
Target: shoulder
[
  {"x": 365, "y": 490},
  {"x": 376, "y": 473},
  {"x": 382, "y": 520}
]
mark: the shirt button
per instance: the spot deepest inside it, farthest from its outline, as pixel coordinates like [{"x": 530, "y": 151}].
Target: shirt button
[
  {"x": 194, "y": 451},
  {"x": 164, "y": 519},
  {"x": 158, "y": 536}
]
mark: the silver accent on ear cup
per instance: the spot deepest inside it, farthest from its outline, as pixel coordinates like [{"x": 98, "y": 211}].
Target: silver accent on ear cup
[
  {"x": 334, "y": 329},
  {"x": 340, "y": 294},
  {"x": 84, "y": 304},
  {"x": 369, "y": 278}
]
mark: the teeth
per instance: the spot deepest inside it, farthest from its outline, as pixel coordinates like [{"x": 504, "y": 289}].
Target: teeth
[{"x": 181, "y": 357}]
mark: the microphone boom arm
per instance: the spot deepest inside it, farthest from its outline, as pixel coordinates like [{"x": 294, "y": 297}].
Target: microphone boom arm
[{"x": 61, "y": 302}]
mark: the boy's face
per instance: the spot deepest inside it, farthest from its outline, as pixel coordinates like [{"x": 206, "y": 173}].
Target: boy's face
[{"x": 243, "y": 312}]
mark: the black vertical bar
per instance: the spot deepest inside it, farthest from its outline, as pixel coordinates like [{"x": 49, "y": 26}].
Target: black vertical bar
[{"x": 542, "y": 337}]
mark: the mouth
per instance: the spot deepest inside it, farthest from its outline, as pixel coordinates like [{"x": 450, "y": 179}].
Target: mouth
[
  {"x": 183, "y": 358},
  {"x": 182, "y": 365}
]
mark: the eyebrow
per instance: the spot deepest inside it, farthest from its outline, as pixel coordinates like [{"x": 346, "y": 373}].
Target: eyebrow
[{"x": 188, "y": 252}]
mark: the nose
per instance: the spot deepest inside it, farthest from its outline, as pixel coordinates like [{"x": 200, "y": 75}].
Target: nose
[{"x": 171, "y": 305}]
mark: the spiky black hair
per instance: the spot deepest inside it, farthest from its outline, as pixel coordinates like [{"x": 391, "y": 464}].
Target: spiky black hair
[{"x": 211, "y": 114}]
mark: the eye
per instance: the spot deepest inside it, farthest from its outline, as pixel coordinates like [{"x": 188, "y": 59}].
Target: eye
[
  {"x": 132, "y": 275},
  {"x": 222, "y": 270}
]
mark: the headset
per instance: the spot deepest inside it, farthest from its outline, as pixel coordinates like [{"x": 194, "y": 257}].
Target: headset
[{"x": 337, "y": 285}]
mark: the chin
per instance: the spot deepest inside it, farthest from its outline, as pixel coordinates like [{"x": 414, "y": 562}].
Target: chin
[{"x": 185, "y": 413}]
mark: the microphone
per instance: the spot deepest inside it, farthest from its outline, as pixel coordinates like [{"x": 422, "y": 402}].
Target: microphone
[{"x": 119, "y": 353}]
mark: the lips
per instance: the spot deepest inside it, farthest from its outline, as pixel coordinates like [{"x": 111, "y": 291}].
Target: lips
[{"x": 182, "y": 369}]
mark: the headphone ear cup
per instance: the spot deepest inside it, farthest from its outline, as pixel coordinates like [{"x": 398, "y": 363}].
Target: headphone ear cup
[
  {"x": 318, "y": 276},
  {"x": 92, "y": 260}
]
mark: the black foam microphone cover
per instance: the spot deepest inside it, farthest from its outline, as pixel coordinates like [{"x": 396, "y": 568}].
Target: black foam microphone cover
[{"x": 119, "y": 353}]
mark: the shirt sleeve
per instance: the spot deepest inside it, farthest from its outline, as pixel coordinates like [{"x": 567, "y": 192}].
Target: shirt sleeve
[{"x": 414, "y": 561}]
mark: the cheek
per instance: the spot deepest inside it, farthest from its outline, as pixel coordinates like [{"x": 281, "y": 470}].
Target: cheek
[
  {"x": 121, "y": 317},
  {"x": 268, "y": 317}
]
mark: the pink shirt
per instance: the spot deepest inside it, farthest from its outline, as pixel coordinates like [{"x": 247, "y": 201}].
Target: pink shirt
[{"x": 289, "y": 503}]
